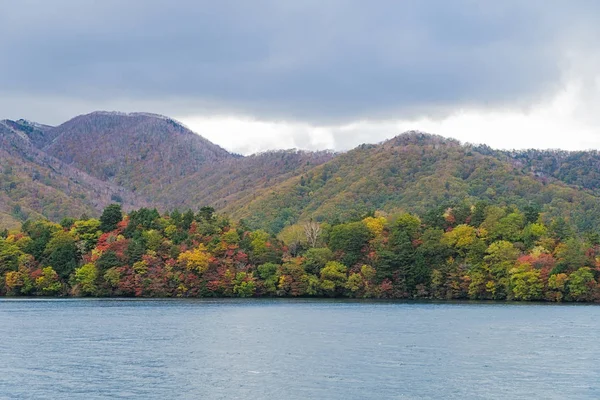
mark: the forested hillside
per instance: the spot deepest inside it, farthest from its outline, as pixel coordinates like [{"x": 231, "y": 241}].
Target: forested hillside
[
  {"x": 414, "y": 172},
  {"x": 579, "y": 168},
  {"x": 227, "y": 184},
  {"x": 143, "y": 159},
  {"x": 477, "y": 251}
]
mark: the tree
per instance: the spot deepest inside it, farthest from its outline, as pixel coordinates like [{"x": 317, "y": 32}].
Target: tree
[
  {"x": 316, "y": 258},
  {"x": 262, "y": 250},
  {"x": 244, "y": 284},
  {"x": 333, "y": 278},
  {"x": 176, "y": 218},
  {"x": 142, "y": 219},
  {"x": 478, "y": 287},
  {"x": 411, "y": 224},
  {"x": 152, "y": 239},
  {"x": 432, "y": 249},
  {"x": 108, "y": 260},
  {"x": 9, "y": 256},
  {"x": 556, "y": 287},
  {"x": 508, "y": 227},
  {"x": 187, "y": 219},
  {"x": 85, "y": 279},
  {"x": 196, "y": 259},
  {"x": 206, "y": 213},
  {"x": 355, "y": 284},
  {"x": 61, "y": 252},
  {"x": 269, "y": 273},
  {"x": 111, "y": 216},
  {"x": 532, "y": 212},
  {"x": 19, "y": 282},
  {"x": 312, "y": 230},
  {"x": 532, "y": 233},
  {"x": 399, "y": 262},
  {"x": 501, "y": 253},
  {"x": 570, "y": 254},
  {"x": 376, "y": 225},
  {"x": 293, "y": 236},
  {"x": 418, "y": 274},
  {"x": 67, "y": 222},
  {"x": 47, "y": 282},
  {"x": 461, "y": 238},
  {"x": 293, "y": 281},
  {"x": 500, "y": 259},
  {"x": 349, "y": 239},
  {"x": 560, "y": 229},
  {"x": 40, "y": 233},
  {"x": 87, "y": 232},
  {"x": 525, "y": 283},
  {"x": 581, "y": 284},
  {"x": 135, "y": 250},
  {"x": 478, "y": 214}
]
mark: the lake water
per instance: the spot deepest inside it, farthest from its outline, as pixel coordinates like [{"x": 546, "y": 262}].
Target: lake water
[{"x": 296, "y": 349}]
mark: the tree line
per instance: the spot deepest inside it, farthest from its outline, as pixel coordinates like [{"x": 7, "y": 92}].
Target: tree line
[{"x": 462, "y": 251}]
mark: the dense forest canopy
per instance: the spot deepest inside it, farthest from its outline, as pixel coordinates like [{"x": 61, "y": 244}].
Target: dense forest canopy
[{"x": 452, "y": 251}]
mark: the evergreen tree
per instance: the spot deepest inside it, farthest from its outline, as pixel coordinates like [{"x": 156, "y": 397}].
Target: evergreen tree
[{"x": 111, "y": 216}]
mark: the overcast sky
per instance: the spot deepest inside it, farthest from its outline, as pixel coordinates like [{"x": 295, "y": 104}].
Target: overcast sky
[{"x": 257, "y": 75}]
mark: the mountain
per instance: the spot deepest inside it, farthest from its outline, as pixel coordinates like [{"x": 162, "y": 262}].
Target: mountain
[
  {"x": 142, "y": 159},
  {"x": 228, "y": 183},
  {"x": 37, "y": 134},
  {"x": 151, "y": 159},
  {"x": 34, "y": 184},
  {"x": 578, "y": 168},
  {"x": 170, "y": 165},
  {"x": 139, "y": 151},
  {"x": 415, "y": 172}
]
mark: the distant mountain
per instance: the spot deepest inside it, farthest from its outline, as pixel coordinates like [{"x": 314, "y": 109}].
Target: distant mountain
[
  {"x": 164, "y": 161},
  {"x": 139, "y": 151},
  {"x": 142, "y": 159},
  {"x": 34, "y": 184},
  {"x": 415, "y": 172},
  {"x": 578, "y": 168},
  {"x": 38, "y": 135},
  {"x": 234, "y": 181},
  {"x": 152, "y": 159}
]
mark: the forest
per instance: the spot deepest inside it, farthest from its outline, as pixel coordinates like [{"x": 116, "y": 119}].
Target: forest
[{"x": 454, "y": 251}]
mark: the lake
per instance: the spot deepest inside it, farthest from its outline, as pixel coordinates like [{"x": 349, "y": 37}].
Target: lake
[{"x": 296, "y": 349}]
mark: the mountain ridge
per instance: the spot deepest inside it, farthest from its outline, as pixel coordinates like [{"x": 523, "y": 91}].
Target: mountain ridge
[{"x": 151, "y": 159}]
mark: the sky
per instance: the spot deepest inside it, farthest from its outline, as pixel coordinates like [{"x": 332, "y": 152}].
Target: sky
[{"x": 327, "y": 74}]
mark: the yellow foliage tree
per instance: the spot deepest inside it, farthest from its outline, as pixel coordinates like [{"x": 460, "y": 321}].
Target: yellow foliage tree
[
  {"x": 375, "y": 225},
  {"x": 196, "y": 259}
]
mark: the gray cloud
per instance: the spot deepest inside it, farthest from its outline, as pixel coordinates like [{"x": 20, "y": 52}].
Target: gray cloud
[{"x": 325, "y": 61}]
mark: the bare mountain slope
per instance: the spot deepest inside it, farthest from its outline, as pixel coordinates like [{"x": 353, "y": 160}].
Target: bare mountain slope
[
  {"x": 35, "y": 184},
  {"x": 142, "y": 152}
]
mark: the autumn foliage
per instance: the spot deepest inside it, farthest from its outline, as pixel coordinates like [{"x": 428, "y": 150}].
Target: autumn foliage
[{"x": 461, "y": 251}]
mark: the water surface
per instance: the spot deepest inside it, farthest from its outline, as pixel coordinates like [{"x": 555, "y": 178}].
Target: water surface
[{"x": 296, "y": 349}]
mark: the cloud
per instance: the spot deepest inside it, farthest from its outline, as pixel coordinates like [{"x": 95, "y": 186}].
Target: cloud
[
  {"x": 248, "y": 136},
  {"x": 563, "y": 121},
  {"x": 310, "y": 63}
]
